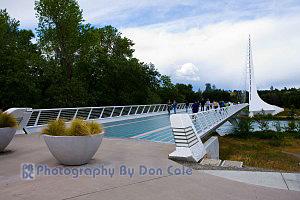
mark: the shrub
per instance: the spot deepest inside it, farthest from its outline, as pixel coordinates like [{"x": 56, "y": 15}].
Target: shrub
[
  {"x": 263, "y": 125},
  {"x": 262, "y": 122},
  {"x": 244, "y": 128},
  {"x": 7, "y": 120},
  {"x": 292, "y": 127},
  {"x": 298, "y": 126},
  {"x": 277, "y": 126},
  {"x": 78, "y": 128},
  {"x": 55, "y": 128},
  {"x": 95, "y": 128}
]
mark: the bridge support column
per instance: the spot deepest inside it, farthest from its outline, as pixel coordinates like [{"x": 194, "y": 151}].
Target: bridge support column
[
  {"x": 234, "y": 122},
  {"x": 189, "y": 146}
]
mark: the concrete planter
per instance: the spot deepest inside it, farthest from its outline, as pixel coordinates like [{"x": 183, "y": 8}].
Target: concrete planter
[
  {"x": 73, "y": 150},
  {"x": 6, "y": 135}
]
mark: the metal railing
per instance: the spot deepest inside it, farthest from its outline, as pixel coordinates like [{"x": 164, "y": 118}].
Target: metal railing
[
  {"x": 40, "y": 117},
  {"x": 206, "y": 120}
]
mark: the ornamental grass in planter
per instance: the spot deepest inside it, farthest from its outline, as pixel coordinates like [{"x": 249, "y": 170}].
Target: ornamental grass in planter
[
  {"x": 74, "y": 145},
  {"x": 8, "y": 128}
]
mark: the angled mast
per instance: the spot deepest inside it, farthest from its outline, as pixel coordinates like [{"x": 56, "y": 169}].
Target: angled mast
[{"x": 256, "y": 104}]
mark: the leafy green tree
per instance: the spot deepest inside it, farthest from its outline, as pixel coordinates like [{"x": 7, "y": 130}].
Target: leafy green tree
[
  {"x": 186, "y": 92},
  {"x": 18, "y": 69},
  {"x": 59, "y": 31},
  {"x": 59, "y": 38},
  {"x": 166, "y": 82},
  {"x": 208, "y": 87},
  {"x": 113, "y": 76}
]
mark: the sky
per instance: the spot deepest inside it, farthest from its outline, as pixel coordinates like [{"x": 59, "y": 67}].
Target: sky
[{"x": 199, "y": 41}]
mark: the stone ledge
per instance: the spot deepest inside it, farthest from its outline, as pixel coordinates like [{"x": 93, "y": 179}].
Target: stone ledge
[
  {"x": 230, "y": 163},
  {"x": 210, "y": 162}
]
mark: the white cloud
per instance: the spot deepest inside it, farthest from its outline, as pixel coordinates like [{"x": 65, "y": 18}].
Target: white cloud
[
  {"x": 219, "y": 50},
  {"x": 188, "y": 71}
]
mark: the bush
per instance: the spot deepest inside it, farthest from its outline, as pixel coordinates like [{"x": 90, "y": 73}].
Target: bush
[
  {"x": 292, "y": 126},
  {"x": 277, "y": 126},
  {"x": 263, "y": 125},
  {"x": 7, "y": 120},
  {"x": 244, "y": 128},
  {"x": 95, "y": 128},
  {"x": 78, "y": 128},
  {"x": 55, "y": 128},
  {"x": 298, "y": 126}
]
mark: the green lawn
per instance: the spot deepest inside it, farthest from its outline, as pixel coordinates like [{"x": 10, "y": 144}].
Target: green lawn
[{"x": 261, "y": 153}]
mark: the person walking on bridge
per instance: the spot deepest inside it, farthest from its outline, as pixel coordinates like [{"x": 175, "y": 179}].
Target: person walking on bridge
[
  {"x": 216, "y": 104},
  {"x": 186, "y": 105},
  {"x": 174, "y": 106},
  {"x": 207, "y": 104},
  {"x": 202, "y": 103},
  {"x": 169, "y": 106},
  {"x": 195, "y": 107}
]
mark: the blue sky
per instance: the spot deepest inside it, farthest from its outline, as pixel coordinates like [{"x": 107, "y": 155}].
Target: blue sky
[{"x": 196, "y": 41}]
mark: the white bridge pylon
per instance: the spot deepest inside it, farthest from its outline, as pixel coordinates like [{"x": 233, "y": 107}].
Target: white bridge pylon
[
  {"x": 256, "y": 104},
  {"x": 189, "y": 129}
]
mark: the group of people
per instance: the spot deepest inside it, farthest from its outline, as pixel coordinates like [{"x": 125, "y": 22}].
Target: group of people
[
  {"x": 202, "y": 105},
  {"x": 172, "y": 106},
  {"x": 207, "y": 105}
]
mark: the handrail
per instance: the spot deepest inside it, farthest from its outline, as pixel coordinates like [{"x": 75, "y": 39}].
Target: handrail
[
  {"x": 40, "y": 117},
  {"x": 204, "y": 121}
]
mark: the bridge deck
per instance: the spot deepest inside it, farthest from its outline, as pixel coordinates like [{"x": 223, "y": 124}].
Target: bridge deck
[{"x": 153, "y": 128}]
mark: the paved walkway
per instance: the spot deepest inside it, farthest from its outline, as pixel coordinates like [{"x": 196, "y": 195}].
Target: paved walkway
[
  {"x": 286, "y": 181},
  {"x": 114, "y": 153}
]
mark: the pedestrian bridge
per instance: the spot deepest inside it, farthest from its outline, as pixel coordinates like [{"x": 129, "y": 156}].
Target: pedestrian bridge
[{"x": 141, "y": 122}]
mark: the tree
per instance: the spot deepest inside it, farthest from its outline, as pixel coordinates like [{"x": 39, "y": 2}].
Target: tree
[
  {"x": 107, "y": 66},
  {"x": 59, "y": 38},
  {"x": 207, "y": 87},
  {"x": 18, "y": 65},
  {"x": 214, "y": 87},
  {"x": 59, "y": 31},
  {"x": 186, "y": 92}
]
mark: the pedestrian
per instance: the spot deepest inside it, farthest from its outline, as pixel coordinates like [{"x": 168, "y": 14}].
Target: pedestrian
[
  {"x": 174, "y": 106},
  {"x": 216, "y": 104},
  {"x": 222, "y": 104},
  {"x": 202, "y": 104},
  {"x": 169, "y": 106},
  {"x": 207, "y": 104},
  {"x": 186, "y": 105},
  {"x": 195, "y": 107}
]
